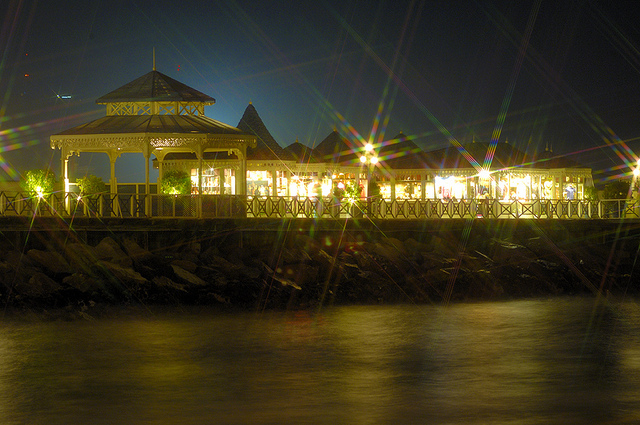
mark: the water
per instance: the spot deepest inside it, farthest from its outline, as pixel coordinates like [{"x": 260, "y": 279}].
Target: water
[{"x": 558, "y": 361}]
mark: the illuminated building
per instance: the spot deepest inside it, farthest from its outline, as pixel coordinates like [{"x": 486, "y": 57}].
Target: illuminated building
[{"x": 164, "y": 119}]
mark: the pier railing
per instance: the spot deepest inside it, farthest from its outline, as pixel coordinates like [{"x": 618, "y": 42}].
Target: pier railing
[{"x": 230, "y": 206}]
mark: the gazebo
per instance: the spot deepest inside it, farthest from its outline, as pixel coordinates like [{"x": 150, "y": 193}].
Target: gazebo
[{"x": 155, "y": 115}]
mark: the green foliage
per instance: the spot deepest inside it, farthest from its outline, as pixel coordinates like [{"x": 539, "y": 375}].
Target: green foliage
[
  {"x": 590, "y": 193},
  {"x": 618, "y": 189},
  {"x": 352, "y": 191},
  {"x": 40, "y": 182},
  {"x": 176, "y": 182},
  {"x": 374, "y": 189},
  {"x": 91, "y": 186},
  {"x": 338, "y": 192}
]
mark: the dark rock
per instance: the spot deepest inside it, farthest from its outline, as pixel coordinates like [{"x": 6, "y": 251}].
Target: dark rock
[
  {"x": 186, "y": 277},
  {"x": 109, "y": 250},
  {"x": 51, "y": 262},
  {"x": 189, "y": 266},
  {"x": 125, "y": 275},
  {"x": 82, "y": 282},
  {"x": 39, "y": 286},
  {"x": 80, "y": 257}
]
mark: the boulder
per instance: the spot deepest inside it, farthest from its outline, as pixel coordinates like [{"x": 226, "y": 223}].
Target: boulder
[
  {"x": 395, "y": 243},
  {"x": 81, "y": 257},
  {"x": 136, "y": 252},
  {"x": 115, "y": 272},
  {"x": 39, "y": 286},
  {"x": 445, "y": 244},
  {"x": 187, "y": 277},
  {"x": 189, "y": 266},
  {"x": 51, "y": 262},
  {"x": 82, "y": 282},
  {"x": 109, "y": 250},
  {"x": 165, "y": 282}
]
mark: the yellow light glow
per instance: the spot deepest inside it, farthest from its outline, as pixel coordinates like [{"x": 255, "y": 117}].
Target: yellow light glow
[
  {"x": 484, "y": 174},
  {"x": 363, "y": 159},
  {"x": 368, "y": 147},
  {"x": 374, "y": 159}
]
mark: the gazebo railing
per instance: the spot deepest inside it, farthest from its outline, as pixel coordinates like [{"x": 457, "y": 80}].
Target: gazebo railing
[{"x": 209, "y": 206}]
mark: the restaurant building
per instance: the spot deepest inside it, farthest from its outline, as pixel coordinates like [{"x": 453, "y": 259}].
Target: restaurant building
[{"x": 164, "y": 120}]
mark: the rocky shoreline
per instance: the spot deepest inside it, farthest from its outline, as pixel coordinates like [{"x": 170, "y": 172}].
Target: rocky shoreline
[{"x": 295, "y": 271}]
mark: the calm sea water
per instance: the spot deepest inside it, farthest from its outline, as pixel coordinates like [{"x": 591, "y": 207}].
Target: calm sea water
[{"x": 558, "y": 361}]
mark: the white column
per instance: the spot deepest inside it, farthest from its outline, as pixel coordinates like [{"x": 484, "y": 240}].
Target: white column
[
  {"x": 241, "y": 174},
  {"x": 274, "y": 181},
  {"x": 200, "y": 155},
  {"x": 113, "y": 184}
]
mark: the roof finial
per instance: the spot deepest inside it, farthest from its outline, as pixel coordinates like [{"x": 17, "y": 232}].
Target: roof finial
[{"x": 154, "y": 58}]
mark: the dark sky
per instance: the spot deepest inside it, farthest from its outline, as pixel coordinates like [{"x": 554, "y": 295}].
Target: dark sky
[{"x": 563, "y": 74}]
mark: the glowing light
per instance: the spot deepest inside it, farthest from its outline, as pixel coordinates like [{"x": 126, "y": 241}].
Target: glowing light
[
  {"x": 363, "y": 159},
  {"x": 374, "y": 160},
  {"x": 484, "y": 174},
  {"x": 368, "y": 147}
]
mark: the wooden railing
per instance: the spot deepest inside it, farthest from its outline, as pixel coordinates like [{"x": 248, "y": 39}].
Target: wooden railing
[{"x": 210, "y": 206}]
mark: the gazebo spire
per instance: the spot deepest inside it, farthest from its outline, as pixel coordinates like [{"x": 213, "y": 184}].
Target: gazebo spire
[{"x": 154, "y": 58}]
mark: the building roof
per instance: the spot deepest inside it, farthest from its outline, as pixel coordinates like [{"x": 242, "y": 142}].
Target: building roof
[
  {"x": 401, "y": 153},
  {"x": 338, "y": 150},
  {"x": 155, "y": 87},
  {"x": 183, "y": 124},
  {"x": 548, "y": 160},
  {"x": 267, "y": 148},
  {"x": 302, "y": 154},
  {"x": 472, "y": 155}
]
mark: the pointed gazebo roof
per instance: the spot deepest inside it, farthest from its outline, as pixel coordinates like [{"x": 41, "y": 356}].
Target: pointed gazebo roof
[
  {"x": 266, "y": 148},
  {"x": 155, "y": 87}
]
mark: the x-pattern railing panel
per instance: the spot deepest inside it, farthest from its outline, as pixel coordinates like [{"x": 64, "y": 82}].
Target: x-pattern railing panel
[{"x": 530, "y": 209}]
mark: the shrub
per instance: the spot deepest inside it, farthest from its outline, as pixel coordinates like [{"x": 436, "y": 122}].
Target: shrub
[
  {"x": 590, "y": 193},
  {"x": 176, "y": 182},
  {"x": 618, "y": 189},
  {"x": 40, "y": 182},
  {"x": 91, "y": 186},
  {"x": 352, "y": 191}
]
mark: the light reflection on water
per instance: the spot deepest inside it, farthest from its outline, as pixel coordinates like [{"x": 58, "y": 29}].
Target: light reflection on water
[{"x": 555, "y": 361}]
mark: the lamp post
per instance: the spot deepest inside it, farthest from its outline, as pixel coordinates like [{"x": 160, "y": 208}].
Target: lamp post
[
  {"x": 369, "y": 159},
  {"x": 631, "y": 199}
]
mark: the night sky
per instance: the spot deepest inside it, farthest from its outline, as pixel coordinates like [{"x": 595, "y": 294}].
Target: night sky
[{"x": 558, "y": 74}]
